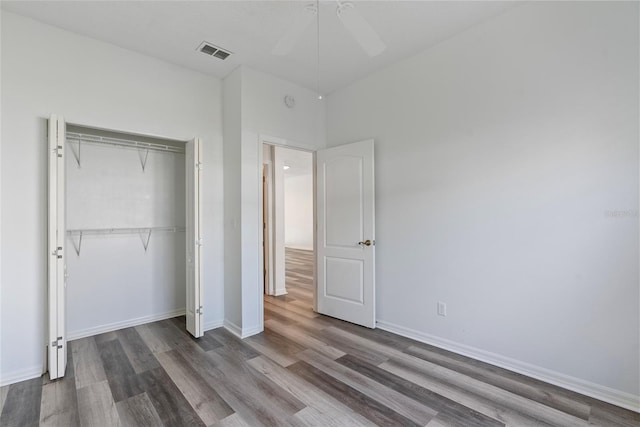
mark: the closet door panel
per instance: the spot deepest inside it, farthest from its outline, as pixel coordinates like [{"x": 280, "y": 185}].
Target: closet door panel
[
  {"x": 57, "y": 342},
  {"x": 193, "y": 168}
]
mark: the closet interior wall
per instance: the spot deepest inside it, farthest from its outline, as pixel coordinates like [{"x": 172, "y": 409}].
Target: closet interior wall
[{"x": 126, "y": 243}]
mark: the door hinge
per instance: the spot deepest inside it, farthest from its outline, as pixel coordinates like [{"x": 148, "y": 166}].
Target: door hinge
[
  {"x": 199, "y": 311},
  {"x": 198, "y": 242},
  {"x": 57, "y": 343},
  {"x": 199, "y": 166},
  {"x": 57, "y": 252}
]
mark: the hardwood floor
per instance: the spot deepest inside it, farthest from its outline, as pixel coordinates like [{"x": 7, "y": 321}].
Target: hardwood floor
[{"x": 304, "y": 370}]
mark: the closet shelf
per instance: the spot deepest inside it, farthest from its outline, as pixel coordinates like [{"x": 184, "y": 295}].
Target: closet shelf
[
  {"x": 143, "y": 232},
  {"x": 143, "y": 148}
]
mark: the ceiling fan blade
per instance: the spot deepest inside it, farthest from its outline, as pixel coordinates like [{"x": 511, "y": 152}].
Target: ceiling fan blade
[
  {"x": 361, "y": 30},
  {"x": 303, "y": 21}
]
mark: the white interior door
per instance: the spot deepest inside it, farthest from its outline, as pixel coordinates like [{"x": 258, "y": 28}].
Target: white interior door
[
  {"x": 346, "y": 233},
  {"x": 57, "y": 343},
  {"x": 193, "y": 180}
]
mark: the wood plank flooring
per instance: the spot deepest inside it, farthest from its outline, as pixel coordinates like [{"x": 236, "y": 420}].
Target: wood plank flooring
[{"x": 304, "y": 370}]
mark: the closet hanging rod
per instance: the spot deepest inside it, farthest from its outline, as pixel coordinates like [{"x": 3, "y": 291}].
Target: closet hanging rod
[
  {"x": 143, "y": 232},
  {"x": 136, "y": 230},
  {"x": 124, "y": 143}
]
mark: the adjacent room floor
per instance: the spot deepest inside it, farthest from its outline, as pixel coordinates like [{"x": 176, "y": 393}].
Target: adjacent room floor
[{"x": 304, "y": 369}]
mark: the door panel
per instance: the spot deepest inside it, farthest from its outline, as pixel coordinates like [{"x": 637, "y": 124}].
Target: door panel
[
  {"x": 345, "y": 219},
  {"x": 344, "y": 198},
  {"x": 193, "y": 181},
  {"x": 338, "y": 270},
  {"x": 57, "y": 342}
]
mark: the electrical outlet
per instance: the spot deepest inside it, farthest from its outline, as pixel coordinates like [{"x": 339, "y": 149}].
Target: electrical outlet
[{"x": 442, "y": 309}]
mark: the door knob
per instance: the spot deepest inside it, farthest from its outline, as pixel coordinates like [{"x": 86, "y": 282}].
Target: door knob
[{"x": 365, "y": 243}]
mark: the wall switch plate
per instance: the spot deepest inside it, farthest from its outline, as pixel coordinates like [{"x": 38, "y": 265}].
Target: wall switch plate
[{"x": 442, "y": 309}]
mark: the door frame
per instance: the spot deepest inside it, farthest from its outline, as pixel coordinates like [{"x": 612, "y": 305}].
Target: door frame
[
  {"x": 267, "y": 232},
  {"x": 48, "y": 305},
  {"x": 283, "y": 143}
]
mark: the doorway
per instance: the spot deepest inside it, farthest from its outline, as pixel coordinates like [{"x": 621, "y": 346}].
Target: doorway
[
  {"x": 117, "y": 203},
  {"x": 288, "y": 229},
  {"x": 343, "y": 216}
]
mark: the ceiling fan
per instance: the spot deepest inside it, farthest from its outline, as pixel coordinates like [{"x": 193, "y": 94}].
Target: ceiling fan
[{"x": 359, "y": 28}]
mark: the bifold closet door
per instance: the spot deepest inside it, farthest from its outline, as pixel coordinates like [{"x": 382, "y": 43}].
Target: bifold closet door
[
  {"x": 193, "y": 179},
  {"x": 57, "y": 342}
]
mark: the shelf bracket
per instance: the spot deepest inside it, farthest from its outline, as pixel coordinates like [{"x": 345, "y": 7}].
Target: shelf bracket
[
  {"x": 145, "y": 236},
  {"x": 77, "y": 245},
  {"x": 144, "y": 155},
  {"x": 76, "y": 153}
]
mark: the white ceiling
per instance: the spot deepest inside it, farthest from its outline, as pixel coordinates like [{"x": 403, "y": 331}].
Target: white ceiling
[{"x": 172, "y": 30}]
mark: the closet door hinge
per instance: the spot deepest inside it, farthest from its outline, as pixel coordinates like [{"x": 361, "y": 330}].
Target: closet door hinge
[
  {"x": 57, "y": 343},
  {"x": 58, "y": 252},
  {"x": 199, "y": 166},
  {"x": 199, "y": 311},
  {"x": 198, "y": 242}
]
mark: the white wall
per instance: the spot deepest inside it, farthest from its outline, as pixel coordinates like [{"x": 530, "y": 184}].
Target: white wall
[
  {"x": 113, "y": 281},
  {"x": 298, "y": 211},
  {"x": 264, "y": 111},
  {"x": 500, "y": 154},
  {"x": 232, "y": 265},
  {"x": 262, "y": 114},
  {"x": 46, "y": 70}
]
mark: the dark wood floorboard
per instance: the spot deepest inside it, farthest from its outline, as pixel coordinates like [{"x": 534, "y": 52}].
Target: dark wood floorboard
[
  {"x": 137, "y": 352},
  {"x": 450, "y": 412},
  {"x": 22, "y": 405},
  {"x": 138, "y": 411},
  {"x": 359, "y": 402},
  {"x": 305, "y": 369}
]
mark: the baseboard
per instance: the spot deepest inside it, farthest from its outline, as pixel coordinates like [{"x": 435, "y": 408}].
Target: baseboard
[
  {"x": 239, "y": 332},
  {"x": 233, "y": 328},
  {"x": 247, "y": 332},
  {"x": 123, "y": 324},
  {"x": 597, "y": 391},
  {"x": 214, "y": 324},
  {"x": 280, "y": 292},
  {"x": 23, "y": 375}
]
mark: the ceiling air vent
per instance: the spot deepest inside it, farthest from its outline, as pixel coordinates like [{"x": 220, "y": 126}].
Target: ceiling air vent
[{"x": 213, "y": 50}]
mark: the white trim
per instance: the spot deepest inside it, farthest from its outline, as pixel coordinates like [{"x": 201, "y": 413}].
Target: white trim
[
  {"x": 280, "y": 292},
  {"x": 242, "y": 333},
  {"x": 597, "y": 391},
  {"x": 315, "y": 231},
  {"x": 280, "y": 142},
  {"x": 214, "y": 324},
  {"x": 260, "y": 266},
  {"x": 269, "y": 244},
  {"x": 279, "y": 257},
  {"x": 123, "y": 324},
  {"x": 23, "y": 375},
  {"x": 246, "y": 333},
  {"x": 233, "y": 328}
]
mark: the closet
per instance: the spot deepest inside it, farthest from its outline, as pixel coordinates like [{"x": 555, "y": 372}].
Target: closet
[{"x": 124, "y": 233}]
